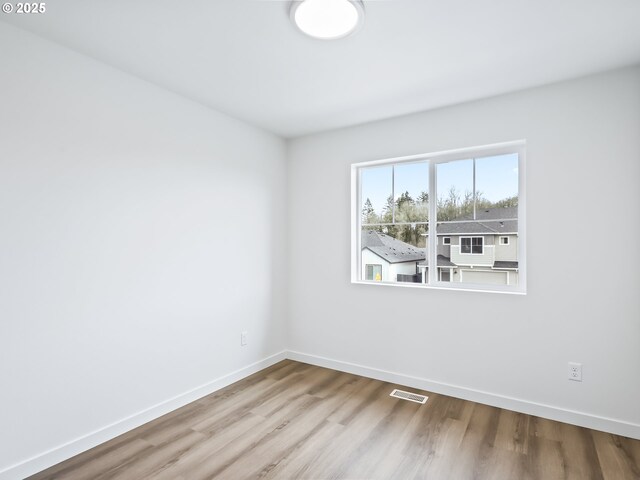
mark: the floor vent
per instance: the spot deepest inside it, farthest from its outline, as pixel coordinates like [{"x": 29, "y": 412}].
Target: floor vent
[{"x": 412, "y": 397}]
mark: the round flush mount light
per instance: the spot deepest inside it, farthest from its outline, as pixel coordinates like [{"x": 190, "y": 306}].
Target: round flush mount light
[{"x": 327, "y": 19}]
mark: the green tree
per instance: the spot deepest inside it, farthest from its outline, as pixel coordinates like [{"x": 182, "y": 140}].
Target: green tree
[
  {"x": 409, "y": 211},
  {"x": 387, "y": 217},
  {"x": 368, "y": 213},
  {"x": 507, "y": 202},
  {"x": 422, "y": 205},
  {"x": 405, "y": 208},
  {"x": 455, "y": 206}
]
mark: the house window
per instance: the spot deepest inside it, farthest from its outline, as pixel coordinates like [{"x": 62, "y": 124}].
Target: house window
[
  {"x": 473, "y": 199},
  {"x": 472, "y": 245},
  {"x": 374, "y": 273}
]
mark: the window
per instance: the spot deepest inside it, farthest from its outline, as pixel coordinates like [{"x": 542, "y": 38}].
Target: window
[
  {"x": 374, "y": 272},
  {"x": 448, "y": 210},
  {"x": 472, "y": 245}
]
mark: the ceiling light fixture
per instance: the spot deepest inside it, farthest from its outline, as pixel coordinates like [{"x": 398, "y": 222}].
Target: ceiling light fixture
[{"x": 327, "y": 19}]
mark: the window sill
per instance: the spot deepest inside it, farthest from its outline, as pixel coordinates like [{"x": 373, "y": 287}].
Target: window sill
[{"x": 467, "y": 288}]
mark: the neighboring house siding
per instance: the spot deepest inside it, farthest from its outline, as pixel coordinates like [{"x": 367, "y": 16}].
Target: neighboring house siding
[
  {"x": 370, "y": 258},
  {"x": 509, "y": 252},
  {"x": 444, "y": 249},
  {"x": 390, "y": 271},
  {"x": 407, "y": 268},
  {"x": 487, "y": 258}
]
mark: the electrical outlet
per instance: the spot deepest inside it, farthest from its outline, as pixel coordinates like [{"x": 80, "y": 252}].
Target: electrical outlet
[
  {"x": 575, "y": 371},
  {"x": 243, "y": 338}
]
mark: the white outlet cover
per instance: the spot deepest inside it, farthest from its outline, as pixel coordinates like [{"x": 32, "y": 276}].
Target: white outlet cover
[{"x": 575, "y": 371}]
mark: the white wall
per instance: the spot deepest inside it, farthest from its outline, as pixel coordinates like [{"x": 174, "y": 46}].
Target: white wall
[
  {"x": 139, "y": 234},
  {"x": 583, "y": 166}
]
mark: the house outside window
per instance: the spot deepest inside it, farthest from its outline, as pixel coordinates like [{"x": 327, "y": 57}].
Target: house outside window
[{"x": 460, "y": 211}]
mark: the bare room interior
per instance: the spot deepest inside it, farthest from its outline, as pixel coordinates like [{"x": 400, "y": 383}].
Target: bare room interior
[{"x": 320, "y": 239}]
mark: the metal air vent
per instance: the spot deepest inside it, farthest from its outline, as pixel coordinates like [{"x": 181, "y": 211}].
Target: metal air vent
[{"x": 412, "y": 397}]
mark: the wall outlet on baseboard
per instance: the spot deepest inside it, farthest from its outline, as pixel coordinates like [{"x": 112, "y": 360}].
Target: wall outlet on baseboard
[
  {"x": 243, "y": 338},
  {"x": 575, "y": 371}
]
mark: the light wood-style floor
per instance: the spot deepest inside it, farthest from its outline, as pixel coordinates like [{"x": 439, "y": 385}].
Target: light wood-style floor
[{"x": 297, "y": 421}]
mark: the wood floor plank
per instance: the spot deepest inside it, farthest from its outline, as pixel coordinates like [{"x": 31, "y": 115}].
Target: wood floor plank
[
  {"x": 297, "y": 421},
  {"x": 350, "y": 444},
  {"x": 614, "y": 457},
  {"x": 365, "y": 460},
  {"x": 513, "y": 432},
  {"x": 240, "y": 451},
  {"x": 303, "y": 461},
  {"x": 222, "y": 412},
  {"x": 153, "y": 461},
  {"x": 84, "y": 467},
  {"x": 206, "y": 453},
  {"x": 477, "y": 444},
  {"x": 579, "y": 453},
  {"x": 545, "y": 460},
  {"x": 544, "y": 428}
]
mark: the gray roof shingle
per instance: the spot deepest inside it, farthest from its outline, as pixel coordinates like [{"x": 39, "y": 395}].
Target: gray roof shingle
[
  {"x": 441, "y": 260},
  {"x": 390, "y": 249},
  {"x": 489, "y": 221},
  {"x": 497, "y": 213}
]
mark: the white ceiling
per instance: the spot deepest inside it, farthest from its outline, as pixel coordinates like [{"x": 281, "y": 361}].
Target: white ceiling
[{"x": 244, "y": 57}]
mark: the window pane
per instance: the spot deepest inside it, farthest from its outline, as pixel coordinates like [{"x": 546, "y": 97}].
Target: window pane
[
  {"x": 411, "y": 184},
  {"x": 497, "y": 209},
  {"x": 455, "y": 189},
  {"x": 376, "y": 200},
  {"x": 497, "y": 183},
  {"x": 396, "y": 252},
  {"x": 465, "y": 245},
  {"x": 476, "y": 245},
  {"x": 481, "y": 217}
]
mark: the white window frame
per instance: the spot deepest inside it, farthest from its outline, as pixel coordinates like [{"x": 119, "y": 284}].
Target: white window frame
[
  {"x": 471, "y": 244},
  {"x": 500, "y": 240},
  {"x": 444, "y": 241},
  {"x": 434, "y": 158}
]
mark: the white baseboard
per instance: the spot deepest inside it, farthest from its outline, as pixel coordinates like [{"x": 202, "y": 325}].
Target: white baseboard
[
  {"x": 62, "y": 452},
  {"x": 611, "y": 425}
]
